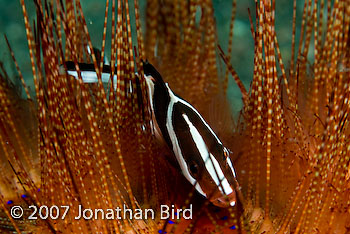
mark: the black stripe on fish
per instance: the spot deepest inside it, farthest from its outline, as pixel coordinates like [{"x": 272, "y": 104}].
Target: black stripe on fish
[{"x": 159, "y": 97}]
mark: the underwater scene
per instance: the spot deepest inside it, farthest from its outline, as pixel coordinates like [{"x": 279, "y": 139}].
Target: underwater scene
[{"x": 175, "y": 116}]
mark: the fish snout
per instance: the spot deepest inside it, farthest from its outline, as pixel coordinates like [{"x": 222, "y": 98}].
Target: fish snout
[{"x": 224, "y": 201}]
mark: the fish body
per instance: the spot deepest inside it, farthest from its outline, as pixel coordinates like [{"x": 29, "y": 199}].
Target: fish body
[{"x": 203, "y": 159}]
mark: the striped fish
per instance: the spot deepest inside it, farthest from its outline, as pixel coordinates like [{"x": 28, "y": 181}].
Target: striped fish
[{"x": 203, "y": 159}]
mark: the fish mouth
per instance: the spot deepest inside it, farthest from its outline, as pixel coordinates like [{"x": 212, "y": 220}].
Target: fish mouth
[{"x": 224, "y": 201}]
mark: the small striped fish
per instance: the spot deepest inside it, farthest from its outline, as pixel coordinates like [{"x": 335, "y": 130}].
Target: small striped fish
[{"x": 203, "y": 159}]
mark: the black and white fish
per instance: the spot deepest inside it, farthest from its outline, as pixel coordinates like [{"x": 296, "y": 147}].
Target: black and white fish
[
  {"x": 87, "y": 70},
  {"x": 203, "y": 159}
]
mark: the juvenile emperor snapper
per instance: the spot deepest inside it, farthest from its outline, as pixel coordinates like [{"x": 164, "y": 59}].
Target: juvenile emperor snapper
[{"x": 203, "y": 159}]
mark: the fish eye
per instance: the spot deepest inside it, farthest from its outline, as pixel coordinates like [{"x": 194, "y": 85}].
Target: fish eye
[{"x": 193, "y": 167}]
